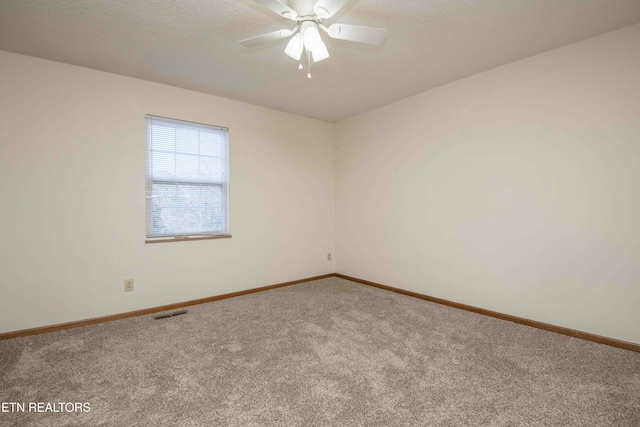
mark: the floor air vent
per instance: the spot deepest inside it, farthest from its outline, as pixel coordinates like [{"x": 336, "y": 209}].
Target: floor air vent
[{"x": 167, "y": 315}]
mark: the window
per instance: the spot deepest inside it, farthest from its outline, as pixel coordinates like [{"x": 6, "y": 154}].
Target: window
[{"x": 187, "y": 179}]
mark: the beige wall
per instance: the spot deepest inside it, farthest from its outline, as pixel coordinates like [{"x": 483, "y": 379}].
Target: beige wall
[
  {"x": 72, "y": 184},
  {"x": 515, "y": 190}
]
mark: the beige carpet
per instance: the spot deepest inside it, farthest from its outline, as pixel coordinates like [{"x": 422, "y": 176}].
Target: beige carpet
[{"x": 329, "y": 352}]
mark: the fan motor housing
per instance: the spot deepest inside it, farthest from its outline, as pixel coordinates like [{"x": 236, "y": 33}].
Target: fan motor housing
[{"x": 303, "y": 7}]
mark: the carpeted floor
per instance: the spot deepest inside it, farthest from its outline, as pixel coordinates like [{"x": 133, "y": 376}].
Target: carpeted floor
[{"x": 329, "y": 352}]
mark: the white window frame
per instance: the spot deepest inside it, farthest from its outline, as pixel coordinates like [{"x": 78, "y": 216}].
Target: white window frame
[{"x": 207, "y": 178}]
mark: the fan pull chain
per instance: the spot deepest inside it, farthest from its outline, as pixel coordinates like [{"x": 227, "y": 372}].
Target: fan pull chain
[
  {"x": 300, "y": 67},
  {"x": 309, "y": 63}
]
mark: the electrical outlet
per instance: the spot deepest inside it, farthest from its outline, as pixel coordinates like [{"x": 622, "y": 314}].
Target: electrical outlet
[
  {"x": 329, "y": 256},
  {"x": 128, "y": 285}
]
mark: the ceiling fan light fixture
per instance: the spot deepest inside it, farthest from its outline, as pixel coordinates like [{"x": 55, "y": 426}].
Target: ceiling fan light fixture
[
  {"x": 312, "y": 40},
  {"x": 321, "y": 53},
  {"x": 305, "y": 39},
  {"x": 294, "y": 47}
]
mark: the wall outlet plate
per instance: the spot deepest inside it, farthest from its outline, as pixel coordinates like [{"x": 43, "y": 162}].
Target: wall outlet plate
[{"x": 128, "y": 285}]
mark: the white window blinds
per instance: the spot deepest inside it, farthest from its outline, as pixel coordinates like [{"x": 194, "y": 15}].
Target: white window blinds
[{"x": 187, "y": 179}]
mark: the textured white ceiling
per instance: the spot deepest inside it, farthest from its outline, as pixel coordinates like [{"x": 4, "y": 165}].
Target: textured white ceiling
[{"x": 193, "y": 44}]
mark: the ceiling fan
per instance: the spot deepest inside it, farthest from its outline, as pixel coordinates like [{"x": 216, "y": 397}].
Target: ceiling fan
[{"x": 305, "y": 36}]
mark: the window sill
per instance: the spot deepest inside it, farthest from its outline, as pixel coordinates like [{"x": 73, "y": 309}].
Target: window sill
[{"x": 185, "y": 239}]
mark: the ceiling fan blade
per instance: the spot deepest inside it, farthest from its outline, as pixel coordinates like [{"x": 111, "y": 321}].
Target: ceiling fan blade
[
  {"x": 279, "y": 8},
  {"x": 357, "y": 33},
  {"x": 327, "y": 8},
  {"x": 264, "y": 38}
]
